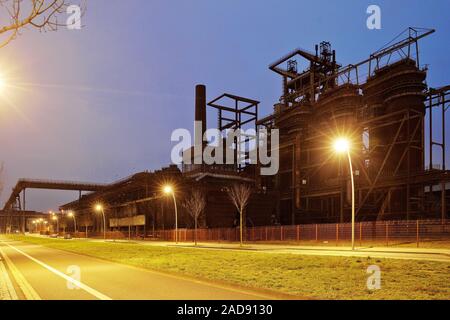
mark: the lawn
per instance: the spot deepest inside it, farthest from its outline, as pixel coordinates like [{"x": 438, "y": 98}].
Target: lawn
[{"x": 302, "y": 276}]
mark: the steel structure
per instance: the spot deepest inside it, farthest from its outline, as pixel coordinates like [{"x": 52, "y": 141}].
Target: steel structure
[
  {"x": 12, "y": 221},
  {"x": 379, "y": 104},
  {"x": 17, "y": 200},
  {"x": 382, "y": 104},
  {"x": 237, "y": 113}
]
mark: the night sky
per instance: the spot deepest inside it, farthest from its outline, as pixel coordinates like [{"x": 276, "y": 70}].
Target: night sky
[{"x": 100, "y": 103}]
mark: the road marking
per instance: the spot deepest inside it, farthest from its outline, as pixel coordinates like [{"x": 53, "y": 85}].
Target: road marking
[
  {"x": 12, "y": 295},
  {"x": 77, "y": 283},
  {"x": 24, "y": 285},
  {"x": 187, "y": 278}
]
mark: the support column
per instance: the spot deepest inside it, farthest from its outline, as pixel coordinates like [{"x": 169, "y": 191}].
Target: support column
[
  {"x": 443, "y": 131},
  {"x": 431, "y": 131},
  {"x": 24, "y": 209},
  {"x": 297, "y": 177}
]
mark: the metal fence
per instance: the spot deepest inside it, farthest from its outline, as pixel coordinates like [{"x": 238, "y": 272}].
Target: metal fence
[{"x": 382, "y": 232}]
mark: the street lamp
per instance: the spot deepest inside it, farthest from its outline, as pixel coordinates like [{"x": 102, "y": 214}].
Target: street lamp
[
  {"x": 99, "y": 208},
  {"x": 342, "y": 145},
  {"x": 70, "y": 214},
  {"x": 168, "y": 189}
]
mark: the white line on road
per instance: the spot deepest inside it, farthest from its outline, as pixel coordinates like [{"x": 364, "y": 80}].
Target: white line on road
[
  {"x": 7, "y": 284},
  {"x": 24, "y": 285},
  {"x": 77, "y": 283}
]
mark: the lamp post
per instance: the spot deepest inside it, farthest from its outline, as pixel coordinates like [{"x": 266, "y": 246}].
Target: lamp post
[
  {"x": 70, "y": 214},
  {"x": 342, "y": 145},
  {"x": 169, "y": 190},
  {"x": 99, "y": 208}
]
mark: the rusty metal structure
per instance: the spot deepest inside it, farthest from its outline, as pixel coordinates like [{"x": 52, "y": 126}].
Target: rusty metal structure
[
  {"x": 15, "y": 214},
  {"x": 381, "y": 104},
  {"x": 396, "y": 123},
  {"x": 19, "y": 220}
]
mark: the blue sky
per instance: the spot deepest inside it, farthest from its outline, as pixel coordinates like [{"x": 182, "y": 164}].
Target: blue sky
[{"x": 100, "y": 103}]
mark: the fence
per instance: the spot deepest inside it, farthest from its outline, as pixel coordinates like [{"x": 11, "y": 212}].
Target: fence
[{"x": 382, "y": 232}]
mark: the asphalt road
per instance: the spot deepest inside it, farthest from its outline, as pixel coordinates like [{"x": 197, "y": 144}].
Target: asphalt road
[{"x": 50, "y": 274}]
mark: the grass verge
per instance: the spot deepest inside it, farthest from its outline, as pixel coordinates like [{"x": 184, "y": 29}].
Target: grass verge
[{"x": 303, "y": 276}]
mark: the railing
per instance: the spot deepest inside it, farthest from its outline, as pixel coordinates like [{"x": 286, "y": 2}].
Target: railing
[
  {"x": 380, "y": 232},
  {"x": 65, "y": 182},
  {"x": 385, "y": 233}
]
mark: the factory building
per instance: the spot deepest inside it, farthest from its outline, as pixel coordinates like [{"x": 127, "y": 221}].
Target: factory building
[{"x": 383, "y": 105}]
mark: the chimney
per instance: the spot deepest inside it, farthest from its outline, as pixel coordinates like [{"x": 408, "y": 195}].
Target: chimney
[{"x": 200, "y": 106}]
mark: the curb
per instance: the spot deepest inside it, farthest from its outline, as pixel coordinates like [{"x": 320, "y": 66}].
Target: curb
[{"x": 7, "y": 291}]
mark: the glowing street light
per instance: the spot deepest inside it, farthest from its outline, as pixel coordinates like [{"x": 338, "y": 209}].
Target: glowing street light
[
  {"x": 99, "y": 208},
  {"x": 168, "y": 189},
  {"x": 342, "y": 146}
]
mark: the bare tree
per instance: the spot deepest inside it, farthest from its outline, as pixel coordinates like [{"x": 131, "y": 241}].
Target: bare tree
[
  {"x": 44, "y": 15},
  {"x": 195, "y": 204},
  {"x": 240, "y": 195}
]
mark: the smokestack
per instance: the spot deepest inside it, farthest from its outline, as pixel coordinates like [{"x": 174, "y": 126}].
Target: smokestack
[{"x": 200, "y": 106}]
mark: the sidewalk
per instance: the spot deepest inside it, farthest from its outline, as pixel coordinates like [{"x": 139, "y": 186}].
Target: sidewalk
[
  {"x": 7, "y": 291},
  {"x": 282, "y": 247},
  {"x": 431, "y": 254}
]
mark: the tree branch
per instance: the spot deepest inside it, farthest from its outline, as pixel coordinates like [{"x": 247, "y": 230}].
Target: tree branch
[{"x": 39, "y": 14}]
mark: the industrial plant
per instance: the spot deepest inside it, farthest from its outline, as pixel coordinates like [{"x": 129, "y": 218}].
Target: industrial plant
[{"x": 383, "y": 105}]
